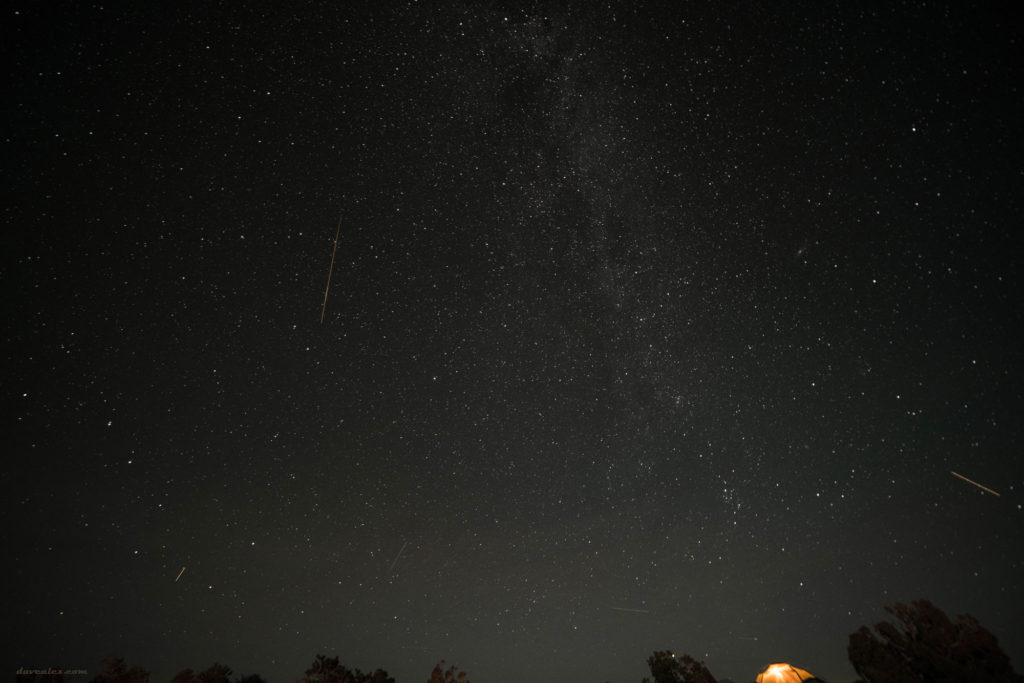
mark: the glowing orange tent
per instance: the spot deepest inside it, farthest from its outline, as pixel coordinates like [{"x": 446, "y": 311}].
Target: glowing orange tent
[{"x": 784, "y": 673}]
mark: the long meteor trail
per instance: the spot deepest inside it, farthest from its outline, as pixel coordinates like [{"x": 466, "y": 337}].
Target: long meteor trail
[
  {"x": 971, "y": 481},
  {"x": 331, "y": 271},
  {"x": 630, "y": 609},
  {"x": 395, "y": 561}
]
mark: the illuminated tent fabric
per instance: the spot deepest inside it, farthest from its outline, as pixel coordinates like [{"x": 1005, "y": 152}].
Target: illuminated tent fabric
[{"x": 784, "y": 673}]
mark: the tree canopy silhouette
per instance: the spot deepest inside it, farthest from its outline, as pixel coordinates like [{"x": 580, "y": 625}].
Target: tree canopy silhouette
[
  {"x": 217, "y": 673},
  {"x": 114, "y": 670},
  {"x": 328, "y": 670},
  {"x": 667, "y": 668},
  {"x": 924, "y": 645},
  {"x": 252, "y": 678},
  {"x": 452, "y": 675}
]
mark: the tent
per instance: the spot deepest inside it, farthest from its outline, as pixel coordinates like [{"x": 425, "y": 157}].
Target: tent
[{"x": 784, "y": 673}]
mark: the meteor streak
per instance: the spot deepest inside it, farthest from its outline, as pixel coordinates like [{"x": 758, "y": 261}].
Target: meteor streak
[
  {"x": 179, "y": 575},
  {"x": 395, "y": 561},
  {"x": 330, "y": 271},
  {"x": 971, "y": 481},
  {"x": 630, "y": 609}
]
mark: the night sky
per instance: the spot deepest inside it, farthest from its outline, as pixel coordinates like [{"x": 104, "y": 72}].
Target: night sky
[{"x": 650, "y": 326}]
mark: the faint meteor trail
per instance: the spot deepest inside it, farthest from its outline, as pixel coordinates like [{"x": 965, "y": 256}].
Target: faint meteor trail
[
  {"x": 630, "y": 609},
  {"x": 395, "y": 561},
  {"x": 330, "y": 271},
  {"x": 748, "y": 637},
  {"x": 971, "y": 481},
  {"x": 179, "y": 575}
]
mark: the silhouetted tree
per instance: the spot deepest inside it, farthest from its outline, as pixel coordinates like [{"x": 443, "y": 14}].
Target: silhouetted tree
[
  {"x": 217, "y": 673},
  {"x": 254, "y": 678},
  {"x": 114, "y": 670},
  {"x": 328, "y": 670},
  {"x": 926, "y": 646},
  {"x": 439, "y": 675},
  {"x": 667, "y": 668}
]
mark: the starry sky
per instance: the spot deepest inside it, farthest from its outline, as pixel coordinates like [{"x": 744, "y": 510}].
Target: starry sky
[{"x": 650, "y": 325}]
